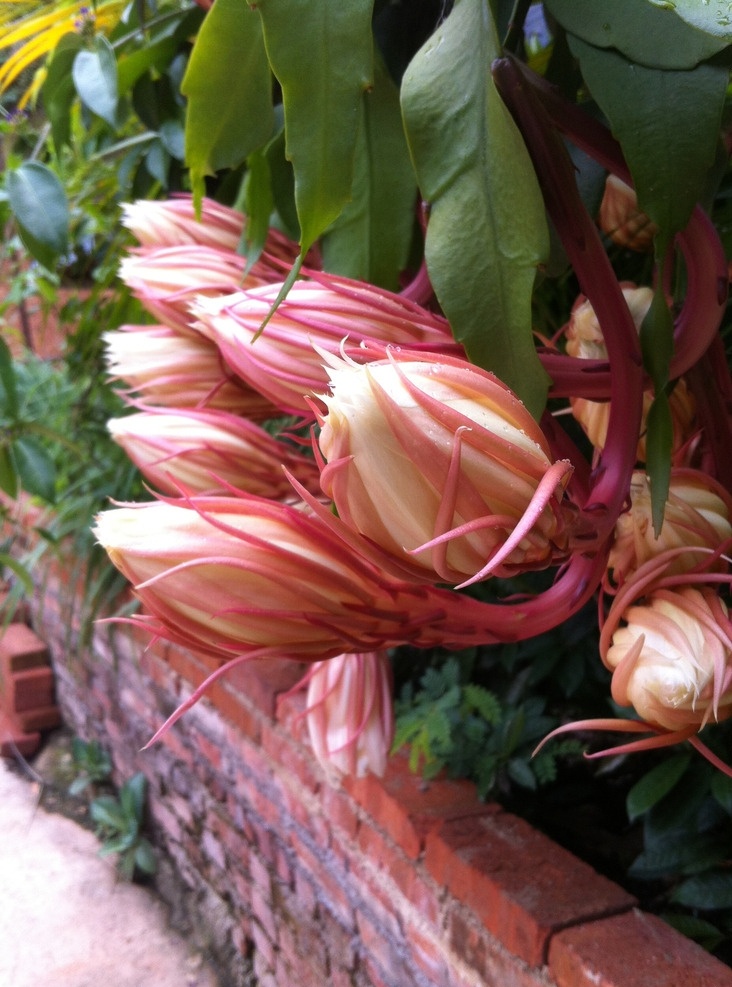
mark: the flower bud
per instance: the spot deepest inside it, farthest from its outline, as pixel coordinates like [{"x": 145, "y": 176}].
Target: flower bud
[
  {"x": 698, "y": 513},
  {"x": 439, "y": 464},
  {"x": 210, "y": 452},
  {"x": 163, "y": 367},
  {"x": 168, "y": 279},
  {"x": 350, "y": 712},
  {"x": 671, "y": 658},
  {"x": 285, "y": 361},
  {"x": 622, "y": 221},
  {"x": 241, "y": 576}
]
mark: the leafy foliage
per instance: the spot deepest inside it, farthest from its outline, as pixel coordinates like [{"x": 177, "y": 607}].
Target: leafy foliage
[{"x": 120, "y": 819}]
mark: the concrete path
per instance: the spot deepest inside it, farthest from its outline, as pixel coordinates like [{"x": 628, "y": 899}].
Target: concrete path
[{"x": 65, "y": 920}]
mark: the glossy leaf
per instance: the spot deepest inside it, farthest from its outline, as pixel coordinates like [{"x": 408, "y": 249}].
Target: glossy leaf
[
  {"x": 38, "y": 201},
  {"x": 645, "y": 33},
  {"x": 228, "y": 85},
  {"x": 59, "y": 93},
  {"x": 35, "y": 468},
  {"x": 669, "y": 153},
  {"x": 712, "y": 16},
  {"x": 707, "y": 892},
  {"x": 372, "y": 237},
  {"x": 321, "y": 54},
  {"x": 95, "y": 77},
  {"x": 487, "y": 229},
  {"x": 654, "y": 785}
]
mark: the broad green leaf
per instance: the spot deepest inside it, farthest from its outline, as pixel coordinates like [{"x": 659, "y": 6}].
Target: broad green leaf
[
  {"x": 8, "y": 476},
  {"x": 8, "y": 383},
  {"x": 707, "y": 892},
  {"x": 95, "y": 76},
  {"x": 145, "y": 859},
  {"x": 35, "y": 468},
  {"x": 132, "y": 65},
  {"x": 282, "y": 180},
  {"x": 229, "y": 89},
  {"x": 677, "y": 854},
  {"x": 321, "y": 54},
  {"x": 658, "y": 782},
  {"x": 59, "y": 93},
  {"x": 371, "y": 238},
  {"x": 645, "y": 33},
  {"x": 487, "y": 230},
  {"x": 38, "y": 201},
  {"x": 257, "y": 205},
  {"x": 721, "y": 788},
  {"x": 712, "y": 16},
  {"x": 667, "y": 122}
]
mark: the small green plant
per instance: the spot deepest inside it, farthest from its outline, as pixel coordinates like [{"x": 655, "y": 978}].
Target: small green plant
[
  {"x": 119, "y": 820},
  {"x": 465, "y": 730},
  {"x": 92, "y": 765}
]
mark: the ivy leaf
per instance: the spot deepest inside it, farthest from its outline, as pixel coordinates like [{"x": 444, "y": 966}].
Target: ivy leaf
[
  {"x": 95, "y": 77},
  {"x": 38, "y": 201},
  {"x": 654, "y": 785},
  {"x": 229, "y": 91},
  {"x": 487, "y": 230},
  {"x": 647, "y": 33},
  {"x": 321, "y": 54},
  {"x": 371, "y": 238}
]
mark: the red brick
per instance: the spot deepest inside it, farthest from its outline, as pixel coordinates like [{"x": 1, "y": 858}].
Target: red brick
[
  {"x": 41, "y": 718},
  {"x": 29, "y": 689},
  {"x": 632, "y": 950},
  {"x": 521, "y": 885},
  {"x": 262, "y": 680},
  {"x": 292, "y": 756},
  {"x": 14, "y": 741},
  {"x": 340, "y": 810},
  {"x": 409, "y": 808},
  {"x": 21, "y": 648}
]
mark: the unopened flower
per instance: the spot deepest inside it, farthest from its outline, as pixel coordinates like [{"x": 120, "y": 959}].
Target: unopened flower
[
  {"x": 236, "y": 577},
  {"x": 322, "y": 315},
  {"x": 584, "y": 339},
  {"x": 670, "y": 658},
  {"x": 350, "y": 712},
  {"x": 163, "y": 367},
  {"x": 210, "y": 452},
  {"x": 698, "y": 513},
  {"x": 622, "y": 220},
  {"x": 167, "y": 279},
  {"x": 439, "y": 464}
]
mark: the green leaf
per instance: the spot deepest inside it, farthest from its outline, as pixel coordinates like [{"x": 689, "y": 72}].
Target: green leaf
[
  {"x": 35, "y": 468},
  {"x": 8, "y": 475},
  {"x": 371, "y": 239},
  {"x": 132, "y": 795},
  {"x": 707, "y": 892},
  {"x": 677, "y": 854},
  {"x": 282, "y": 179},
  {"x": 712, "y": 16},
  {"x": 106, "y": 811},
  {"x": 59, "y": 93},
  {"x": 321, "y": 54},
  {"x": 667, "y": 122},
  {"x": 659, "y": 443},
  {"x": 721, "y": 788},
  {"x": 487, "y": 230},
  {"x": 258, "y": 204},
  {"x": 132, "y": 65},
  {"x": 644, "y": 33},
  {"x": 38, "y": 201},
  {"x": 229, "y": 89},
  {"x": 145, "y": 859},
  {"x": 8, "y": 383},
  {"x": 95, "y": 77},
  {"x": 655, "y": 784}
]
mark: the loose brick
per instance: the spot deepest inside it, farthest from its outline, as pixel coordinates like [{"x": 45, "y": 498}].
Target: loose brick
[
  {"x": 14, "y": 740},
  {"x": 521, "y": 885},
  {"x": 29, "y": 689},
  {"x": 632, "y": 950},
  {"x": 20, "y": 649},
  {"x": 41, "y": 718}
]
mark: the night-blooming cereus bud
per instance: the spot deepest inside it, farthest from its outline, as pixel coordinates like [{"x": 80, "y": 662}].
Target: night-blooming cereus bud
[
  {"x": 622, "y": 220},
  {"x": 670, "y": 658},
  {"x": 698, "y": 513},
  {"x": 284, "y": 360},
  {"x": 350, "y": 712},
  {"x": 166, "y": 368},
  {"x": 441, "y": 467},
  {"x": 210, "y": 452}
]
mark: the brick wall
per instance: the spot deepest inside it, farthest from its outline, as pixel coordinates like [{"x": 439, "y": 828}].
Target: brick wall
[{"x": 349, "y": 883}]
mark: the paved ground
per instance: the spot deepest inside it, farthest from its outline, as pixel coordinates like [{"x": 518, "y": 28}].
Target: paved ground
[{"x": 65, "y": 920}]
